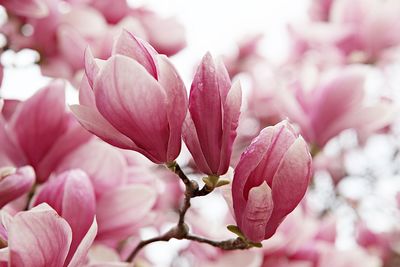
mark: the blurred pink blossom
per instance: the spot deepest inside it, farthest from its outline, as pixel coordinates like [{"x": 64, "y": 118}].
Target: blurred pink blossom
[
  {"x": 34, "y": 136},
  {"x": 15, "y": 183},
  {"x": 42, "y": 225}
]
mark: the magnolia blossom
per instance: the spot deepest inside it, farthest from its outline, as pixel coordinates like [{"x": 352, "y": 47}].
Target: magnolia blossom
[
  {"x": 105, "y": 165},
  {"x": 24, "y": 142},
  {"x": 335, "y": 104},
  {"x": 123, "y": 211},
  {"x": 42, "y": 225},
  {"x": 31, "y": 8},
  {"x": 270, "y": 179},
  {"x": 61, "y": 30},
  {"x": 362, "y": 30},
  {"x": 14, "y": 183},
  {"x": 71, "y": 195},
  {"x": 135, "y": 100},
  {"x": 210, "y": 128}
]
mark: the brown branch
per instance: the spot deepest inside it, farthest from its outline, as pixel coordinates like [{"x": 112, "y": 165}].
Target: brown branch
[
  {"x": 144, "y": 243},
  {"x": 230, "y": 244},
  {"x": 181, "y": 230}
]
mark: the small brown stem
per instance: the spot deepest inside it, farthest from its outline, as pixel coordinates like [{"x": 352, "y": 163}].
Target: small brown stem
[
  {"x": 144, "y": 243},
  {"x": 230, "y": 244},
  {"x": 181, "y": 230}
]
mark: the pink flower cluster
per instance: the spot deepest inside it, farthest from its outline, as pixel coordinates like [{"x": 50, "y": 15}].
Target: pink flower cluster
[
  {"x": 61, "y": 30},
  {"x": 80, "y": 190},
  {"x": 86, "y": 184}
]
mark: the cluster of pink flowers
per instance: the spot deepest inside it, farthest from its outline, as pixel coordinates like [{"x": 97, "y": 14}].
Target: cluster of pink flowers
[
  {"x": 61, "y": 30},
  {"x": 81, "y": 184}
]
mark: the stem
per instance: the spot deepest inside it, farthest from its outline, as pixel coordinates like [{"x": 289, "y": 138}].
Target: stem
[
  {"x": 230, "y": 244},
  {"x": 145, "y": 243},
  {"x": 181, "y": 230}
]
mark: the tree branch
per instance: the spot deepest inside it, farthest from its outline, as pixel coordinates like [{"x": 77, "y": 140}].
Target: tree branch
[
  {"x": 230, "y": 244},
  {"x": 181, "y": 230}
]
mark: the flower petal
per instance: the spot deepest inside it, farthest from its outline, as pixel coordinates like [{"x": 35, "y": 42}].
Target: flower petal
[
  {"x": 134, "y": 103},
  {"x": 38, "y": 237},
  {"x": 80, "y": 256},
  {"x": 231, "y": 114},
  {"x": 95, "y": 123},
  {"x": 16, "y": 184},
  {"x": 37, "y": 141},
  {"x": 177, "y": 103},
  {"x": 119, "y": 210},
  {"x": 128, "y": 45},
  {"x": 257, "y": 213},
  {"x": 289, "y": 183}
]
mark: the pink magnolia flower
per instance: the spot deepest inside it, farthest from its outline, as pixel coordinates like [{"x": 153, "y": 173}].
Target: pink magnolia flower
[
  {"x": 270, "y": 179},
  {"x": 320, "y": 9},
  {"x": 71, "y": 195},
  {"x": 166, "y": 35},
  {"x": 40, "y": 237},
  {"x": 104, "y": 165},
  {"x": 31, "y": 8},
  {"x": 246, "y": 56},
  {"x": 335, "y": 104},
  {"x": 15, "y": 183},
  {"x": 210, "y": 128},
  {"x": 333, "y": 164},
  {"x": 365, "y": 19},
  {"x": 43, "y": 146},
  {"x": 135, "y": 101},
  {"x": 123, "y": 211},
  {"x": 376, "y": 243},
  {"x": 61, "y": 30}
]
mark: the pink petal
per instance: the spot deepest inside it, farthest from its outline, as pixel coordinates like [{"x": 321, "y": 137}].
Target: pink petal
[
  {"x": 135, "y": 104},
  {"x": 283, "y": 137},
  {"x": 230, "y": 123},
  {"x": 16, "y": 184},
  {"x": 257, "y": 213},
  {"x": 71, "y": 195},
  {"x": 80, "y": 256},
  {"x": 27, "y": 8},
  {"x": 205, "y": 105},
  {"x": 95, "y": 123},
  {"x": 177, "y": 103},
  {"x": 249, "y": 160},
  {"x": 334, "y": 100},
  {"x": 191, "y": 139},
  {"x": 91, "y": 68},
  {"x": 72, "y": 139},
  {"x": 289, "y": 183},
  {"x": 4, "y": 257},
  {"x": 72, "y": 46},
  {"x": 104, "y": 165},
  {"x": 10, "y": 153},
  {"x": 8, "y": 107},
  {"x": 39, "y": 237},
  {"x": 128, "y": 45},
  {"x": 86, "y": 95},
  {"x": 119, "y": 210},
  {"x": 167, "y": 35},
  {"x": 37, "y": 141},
  {"x": 78, "y": 207}
]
